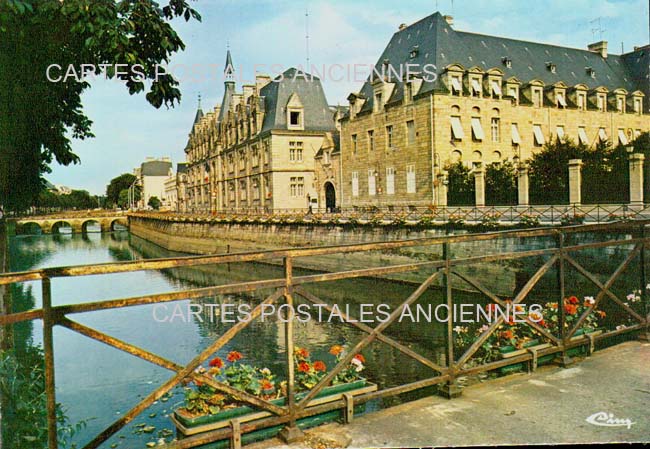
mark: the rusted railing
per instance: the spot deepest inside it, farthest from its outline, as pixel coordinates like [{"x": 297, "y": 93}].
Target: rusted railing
[{"x": 289, "y": 286}]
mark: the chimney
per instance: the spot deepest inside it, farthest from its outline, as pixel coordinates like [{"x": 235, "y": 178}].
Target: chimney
[
  {"x": 248, "y": 90},
  {"x": 599, "y": 47},
  {"x": 402, "y": 26},
  {"x": 449, "y": 20},
  {"x": 261, "y": 81}
]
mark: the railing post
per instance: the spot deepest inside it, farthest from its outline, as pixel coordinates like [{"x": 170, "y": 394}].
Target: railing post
[
  {"x": 563, "y": 360},
  {"x": 291, "y": 432},
  {"x": 449, "y": 389},
  {"x": 645, "y": 299},
  {"x": 48, "y": 347}
]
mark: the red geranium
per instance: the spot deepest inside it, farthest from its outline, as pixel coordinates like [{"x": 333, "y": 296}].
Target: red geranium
[
  {"x": 302, "y": 353},
  {"x": 573, "y": 300},
  {"x": 508, "y": 335},
  {"x": 571, "y": 309},
  {"x": 319, "y": 366},
  {"x": 303, "y": 367},
  {"x": 360, "y": 358},
  {"x": 234, "y": 356},
  {"x": 266, "y": 384},
  {"x": 216, "y": 362}
]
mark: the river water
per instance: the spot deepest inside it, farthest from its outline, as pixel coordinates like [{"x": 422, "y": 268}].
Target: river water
[{"x": 96, "y": 383}]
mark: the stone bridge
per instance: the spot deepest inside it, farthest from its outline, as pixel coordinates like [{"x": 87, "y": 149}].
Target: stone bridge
[{"x": 78, "y": 222}]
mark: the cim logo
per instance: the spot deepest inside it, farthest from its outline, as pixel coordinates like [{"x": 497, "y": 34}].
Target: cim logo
[{"x": 605, "y": 419}]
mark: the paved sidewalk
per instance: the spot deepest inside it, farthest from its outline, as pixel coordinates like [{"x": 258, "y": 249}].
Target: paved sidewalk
[{"x": 549, "y": 406}]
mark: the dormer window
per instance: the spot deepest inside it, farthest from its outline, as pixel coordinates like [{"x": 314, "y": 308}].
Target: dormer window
[
  {"x": 537, "y": 97},
  {"x": 601, "y": 102},
  {"x": 582, "y": 101},
  {"x": 638, "y": 106},
  {"x": 408, "y": 92},
  {"x": 495, "y": 88},
  {"x": 475, "y": 86},
  {"x": 591, "y": 72},
  {"x": 378, "y": 101},
  {"x": 561, "y": 100},
  {"x": 551, "y": 67},
  {"x": 620, "y": 104},
  {"x": 414, "y": 52},
  {"x": 507, "y": 62},
  {"x": 456, "y": 86},
  {"x": 295, "y": 113}
]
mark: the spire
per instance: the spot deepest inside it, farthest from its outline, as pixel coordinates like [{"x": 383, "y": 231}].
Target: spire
[
  {"x": 229, "y": 91},
  {"x": 229, "y": 70},
  {"x": 199, "y": 112}
]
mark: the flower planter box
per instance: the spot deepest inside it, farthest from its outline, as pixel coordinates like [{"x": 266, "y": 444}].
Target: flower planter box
[
  {"x": 509, "y": 351},
  {"x": 187, "y": 426}
]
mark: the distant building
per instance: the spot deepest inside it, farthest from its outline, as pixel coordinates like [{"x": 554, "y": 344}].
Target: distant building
[
  {"x": 256, "y": 151},
  {"x": 174, "y": 188},
  {"x": 152, "y": 175},
  {"x": 478, "y": 99}
]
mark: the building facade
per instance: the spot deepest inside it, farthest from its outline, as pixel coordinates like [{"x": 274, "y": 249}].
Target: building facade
[
  {"x": 173, "y": 185},
  {"x": 152, "y": 176},
  {"x": 439, "y": 96},
  {"x": 256, "y": 151}
]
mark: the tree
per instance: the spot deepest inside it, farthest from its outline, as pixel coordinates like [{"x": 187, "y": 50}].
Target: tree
[
  {"x": 115, "y": 187},
  {"x": 549, "y": 171},
  {"x": 123, "y": 199},
  {"x": 154, "y": 203},
  {"x": 500, "y": 184},
  {"x": 461, "y": 185},
  {"x": 38, "y": 117}
]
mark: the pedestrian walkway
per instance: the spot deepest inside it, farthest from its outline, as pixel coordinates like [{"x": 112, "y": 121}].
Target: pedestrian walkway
[{"x": 551, "y": 405}]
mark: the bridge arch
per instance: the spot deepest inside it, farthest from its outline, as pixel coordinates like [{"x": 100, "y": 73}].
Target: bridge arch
[
  {"x": 91, "y": 223},
  {"x": 31, "y": 228},
  {"x": 57, "y": 225},
  {"x": 120, "y": 222}
]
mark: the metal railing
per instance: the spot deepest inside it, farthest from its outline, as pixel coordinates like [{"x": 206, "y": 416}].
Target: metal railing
[
  {"x": 540, "y": 214},
  {"x": 289, "y": 287}
]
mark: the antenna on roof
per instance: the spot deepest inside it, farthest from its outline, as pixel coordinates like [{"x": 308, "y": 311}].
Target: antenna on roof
[
  {"x": 598, "y": 28},
  {"x": 307, "y": 36},
  {"x": 452, "y": 8}
]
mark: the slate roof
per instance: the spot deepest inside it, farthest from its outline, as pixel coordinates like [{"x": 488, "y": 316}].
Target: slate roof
[
  {"x": 198, "y": 116},
  {"x": 317, "y": 115},
  {"x": 155, "y": 168},
  {"x": 437, "y": 43}
]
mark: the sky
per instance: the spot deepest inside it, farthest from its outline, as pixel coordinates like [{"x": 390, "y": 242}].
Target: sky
[{"x": 266, "y": 33}]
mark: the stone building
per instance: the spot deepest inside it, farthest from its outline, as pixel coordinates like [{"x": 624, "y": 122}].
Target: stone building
[
  {"x": 174, "y": 188},
  {"x": 256, "y": 151},
  {"x": 438, "y": 96},
  {"x": 152, "y": 175}
]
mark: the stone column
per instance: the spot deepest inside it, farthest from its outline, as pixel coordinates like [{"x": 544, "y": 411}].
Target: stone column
[
  {"x": 523, "y": 186},
  {"x": 443, "y": 182},
  {"x": 636, "y": 179},
  {"x": 575, "y": 181},
  {"x": 479, "y": 185}
]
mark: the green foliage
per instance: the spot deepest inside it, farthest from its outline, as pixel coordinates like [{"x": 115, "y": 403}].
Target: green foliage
[
  {"x": 117, "y": 185},
  {"x": 154, "y": 203},
  {"x": 500, "y": 184},
  {"x": 77, "y": 199},
  {"x": 549, "y": 172},
  {"x": 22, "y": 387},
  {"x": 461, "y": 186},
  {"x": 38, "y": 117}
]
